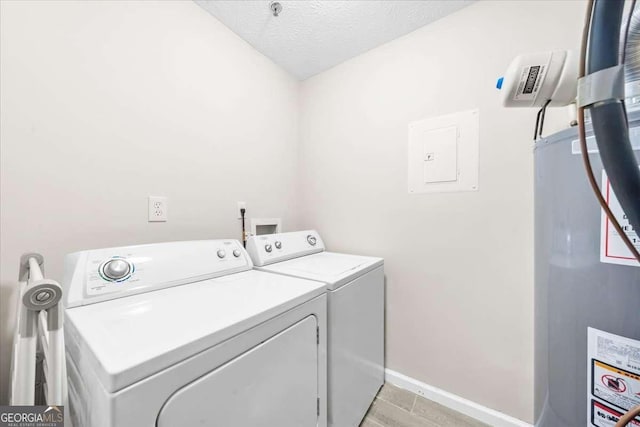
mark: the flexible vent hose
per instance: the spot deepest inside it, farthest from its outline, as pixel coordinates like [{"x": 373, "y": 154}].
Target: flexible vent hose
[
  {"x": 632, "y": 52},
  {"x": 609, "y": 117}
]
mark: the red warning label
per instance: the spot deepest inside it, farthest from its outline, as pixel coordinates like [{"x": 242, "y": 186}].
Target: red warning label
[
  {"x": 604, "y": 416},
  {"x": 612, "y": 248}
]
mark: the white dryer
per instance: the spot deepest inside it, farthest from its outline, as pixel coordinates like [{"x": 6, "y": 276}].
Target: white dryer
[
  {"x": 186, "y": 333},
  {"x": 355, "y": 290}
]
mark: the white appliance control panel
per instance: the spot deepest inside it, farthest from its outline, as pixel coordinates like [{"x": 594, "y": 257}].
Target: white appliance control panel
[
  {"x": 104, "y": 274},
  {"x": 271, "y": 248}
]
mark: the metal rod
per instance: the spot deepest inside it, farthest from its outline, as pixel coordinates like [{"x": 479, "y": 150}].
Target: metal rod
[
  {"x": 24, "y": 367},
  {"x": 40, "y": 301},
  {"x": 35, "y": 273}
]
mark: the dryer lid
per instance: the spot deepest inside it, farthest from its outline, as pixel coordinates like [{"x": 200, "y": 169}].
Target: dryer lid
[
  {"x": 332, "y": 268},
  {"x": 128, "y": 339}
]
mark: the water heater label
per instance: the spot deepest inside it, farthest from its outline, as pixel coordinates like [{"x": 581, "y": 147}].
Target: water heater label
[
  {"x": 613, "y": 373},
  {"x": 612, "y": 248}
]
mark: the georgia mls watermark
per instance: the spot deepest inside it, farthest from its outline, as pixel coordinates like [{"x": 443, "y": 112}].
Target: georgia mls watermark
[{"x": 31, "y": 416}]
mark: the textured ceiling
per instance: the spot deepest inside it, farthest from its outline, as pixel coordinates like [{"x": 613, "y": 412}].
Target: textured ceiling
[{"x": 311, "y": 36}]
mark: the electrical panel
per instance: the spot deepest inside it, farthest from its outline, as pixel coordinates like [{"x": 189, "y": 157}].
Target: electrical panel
[{"x": 443, "y": 153}]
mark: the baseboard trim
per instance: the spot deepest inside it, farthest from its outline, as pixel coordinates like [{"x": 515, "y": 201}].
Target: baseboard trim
[{"x": 452, "y": 401}]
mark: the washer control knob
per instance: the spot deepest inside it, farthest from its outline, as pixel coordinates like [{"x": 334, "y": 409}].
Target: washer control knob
[
  {"x": 268, "y": 247},
  {"x": 311, "y": 240},
  {"x": 278, "y": 244},
  {"x": 221, "y": 253},
  {"x": 116, "y": 269},
  {"x": 236, "y": 253}
]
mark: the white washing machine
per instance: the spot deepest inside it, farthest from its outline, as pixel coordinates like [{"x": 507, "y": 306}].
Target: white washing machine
[
  {"x": 355, "y": 290},
  {"x": 186, "y": 333}
]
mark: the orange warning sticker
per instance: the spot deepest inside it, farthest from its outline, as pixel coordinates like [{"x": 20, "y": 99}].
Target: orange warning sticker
[{"x": 616, "y": 386}]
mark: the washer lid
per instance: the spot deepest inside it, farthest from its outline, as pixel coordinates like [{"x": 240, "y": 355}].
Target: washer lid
[
  {"x": 332, "y": 268},
  {"x": 125, "y": 340}
]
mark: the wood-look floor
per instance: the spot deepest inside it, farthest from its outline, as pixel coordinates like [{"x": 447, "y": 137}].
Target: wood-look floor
[{"x": 395, "y": 407}]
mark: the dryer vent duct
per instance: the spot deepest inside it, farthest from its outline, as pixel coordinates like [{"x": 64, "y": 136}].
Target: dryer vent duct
[{"x": 632, "y": 58}]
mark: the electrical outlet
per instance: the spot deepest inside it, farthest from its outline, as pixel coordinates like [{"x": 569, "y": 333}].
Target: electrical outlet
[
  {"x": 158, "y": 209},
  {"x": 241, "y": 205}
]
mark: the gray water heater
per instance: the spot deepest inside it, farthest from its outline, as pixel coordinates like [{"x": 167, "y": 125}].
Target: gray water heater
[{"x": 587, "y": 292}]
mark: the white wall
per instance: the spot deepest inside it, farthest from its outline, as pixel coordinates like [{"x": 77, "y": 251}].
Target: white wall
[
  {"x": 105, "y": 103},
  {"x": 459, "y": 266}
]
